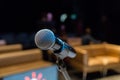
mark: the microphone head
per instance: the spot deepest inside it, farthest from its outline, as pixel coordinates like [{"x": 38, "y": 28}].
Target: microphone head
[{"x": 44, "y": 39}]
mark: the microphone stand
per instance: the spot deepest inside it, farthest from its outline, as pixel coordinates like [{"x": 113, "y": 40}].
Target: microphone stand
[{"x": 62, "y": 68}]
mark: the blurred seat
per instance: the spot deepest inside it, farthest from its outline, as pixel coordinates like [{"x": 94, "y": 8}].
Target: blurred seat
[
  {"x": 74, "y": 41},
  {"x": 21, "y": 61},
  {"x": 11, "y": 48},
  {"x": 16, "y": 57},
  {"x": 96, "y": 57}
]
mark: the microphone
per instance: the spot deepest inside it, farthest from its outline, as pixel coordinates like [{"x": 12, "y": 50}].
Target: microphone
[{"x": 46, "y": 40}]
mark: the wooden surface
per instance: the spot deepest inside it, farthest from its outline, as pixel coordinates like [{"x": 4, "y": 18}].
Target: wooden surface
[
  {"x": 96, "y": 57},
  {"x": 20, "y": 57},
  {"x": 9, "y": 48},
  {"x": 21, "y": 61},
  {"x": 23, "y": 67},
  {"x": 74, "y": 41}
]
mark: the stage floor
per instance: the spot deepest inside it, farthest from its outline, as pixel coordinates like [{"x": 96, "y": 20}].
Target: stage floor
[
  {"x": 115, "y": 77},
  {"x": 111, "y": 75}
]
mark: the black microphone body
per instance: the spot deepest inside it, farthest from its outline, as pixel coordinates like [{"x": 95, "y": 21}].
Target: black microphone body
[{"x": 46, "y": 40}]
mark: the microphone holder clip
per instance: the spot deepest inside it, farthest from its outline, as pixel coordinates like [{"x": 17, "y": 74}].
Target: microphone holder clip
[{"x": 62, "y": 68}]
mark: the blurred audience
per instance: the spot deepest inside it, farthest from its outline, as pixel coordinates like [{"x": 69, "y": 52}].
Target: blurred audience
[
  {"x": 87, "y": 38},
  {"x": 2, "y": 42}
]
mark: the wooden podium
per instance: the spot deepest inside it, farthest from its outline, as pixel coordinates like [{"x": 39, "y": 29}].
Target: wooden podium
[
  {"x": 19, "y": 64},
  {"x": 10, "y": 48}
]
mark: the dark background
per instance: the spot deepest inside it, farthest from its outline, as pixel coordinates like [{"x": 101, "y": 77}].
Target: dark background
[{"x": 21, "y": 15}]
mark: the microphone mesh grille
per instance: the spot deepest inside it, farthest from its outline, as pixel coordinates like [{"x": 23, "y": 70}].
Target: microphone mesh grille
[{"x": 44, "y": 39}]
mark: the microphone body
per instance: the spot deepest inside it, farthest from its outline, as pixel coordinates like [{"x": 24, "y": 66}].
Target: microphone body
[{"x": 46, "y": 40}]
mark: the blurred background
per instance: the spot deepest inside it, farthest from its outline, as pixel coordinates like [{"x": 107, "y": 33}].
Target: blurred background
[
  {"x": 92, "y": 21},
  {"x": 101, "y": 16}
]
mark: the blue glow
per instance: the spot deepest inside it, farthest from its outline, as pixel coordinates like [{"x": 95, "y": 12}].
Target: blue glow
[
  {"x": 49, "y": 73},
  {"x": 73, "y": 16},
  {"x": 63, "y": 17}
]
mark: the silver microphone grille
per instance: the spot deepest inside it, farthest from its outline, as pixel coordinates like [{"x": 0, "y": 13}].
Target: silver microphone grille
[{"x": 44, "y": 39}]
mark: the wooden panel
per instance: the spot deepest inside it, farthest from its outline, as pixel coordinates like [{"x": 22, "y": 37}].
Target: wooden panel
[
  {"x": 94, "y": 49},
  {"x": 74, "y": 41},
  {"x": 113, "y": 50},
  {"x": 20, "y": 57},
  {"x": 9, "y": 48},
  {"x": 82, "y": 56}
]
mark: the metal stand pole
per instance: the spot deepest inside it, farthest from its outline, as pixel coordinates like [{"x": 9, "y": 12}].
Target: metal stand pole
[{"x": 62, "y": 69}]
